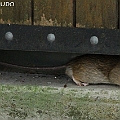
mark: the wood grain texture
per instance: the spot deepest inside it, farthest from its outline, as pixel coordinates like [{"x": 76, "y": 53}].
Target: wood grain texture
[
  {"x": 97, "y": 13},
  {"x": 119, "y": 14},
  {"x": 53, "y": 12},
  {"x": 20, "y": 13}
]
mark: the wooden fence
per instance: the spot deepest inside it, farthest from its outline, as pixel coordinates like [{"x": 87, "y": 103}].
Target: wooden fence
[{"x": 72, "y": 13}]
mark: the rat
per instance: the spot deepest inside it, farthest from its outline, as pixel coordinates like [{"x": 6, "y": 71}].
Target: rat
[
  {"x": 86, "y": 69},
  {"x": 114, "y": 74},
  {"x": 94, "y": 69}
]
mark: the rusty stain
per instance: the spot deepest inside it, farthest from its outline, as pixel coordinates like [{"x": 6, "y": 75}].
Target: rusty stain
[
  {"x": 53, "y": 13},
  {"x": 26, "y": 22},
  {"x": 44, "y": 22}
]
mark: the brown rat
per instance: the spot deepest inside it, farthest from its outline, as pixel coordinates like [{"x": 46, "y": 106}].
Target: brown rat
[
  {"x": 114, "y": 75},
  {"x": 87, "y": 69},
  {"x": 94, "y": 69}
]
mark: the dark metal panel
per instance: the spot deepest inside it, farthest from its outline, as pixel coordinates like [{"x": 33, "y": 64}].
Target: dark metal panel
[
  {"x": 34, "y": 61},
  {"x": 35, "y": 58},
  {"x": 67, "y": 40}
]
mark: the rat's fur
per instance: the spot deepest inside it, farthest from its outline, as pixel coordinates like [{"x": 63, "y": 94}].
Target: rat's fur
[
  {"x": 114, "y": 74},
  {"x": 94, "y": 69}
]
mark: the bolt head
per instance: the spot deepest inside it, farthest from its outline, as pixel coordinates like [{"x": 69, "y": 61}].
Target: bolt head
[
  {"x": 9, "y": 36},
  {"x": 51, "y": 37},
  {"x": 94, "y": 40}
]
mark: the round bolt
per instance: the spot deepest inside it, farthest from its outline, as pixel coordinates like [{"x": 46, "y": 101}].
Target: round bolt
[
  {"x": 51, "y": 37},
  {"x": 94, "y": 40},
  {"x": 9, "y": 36}
]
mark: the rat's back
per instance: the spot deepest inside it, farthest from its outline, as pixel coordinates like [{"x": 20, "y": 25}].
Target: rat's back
[{"x": 91, "y": 68}]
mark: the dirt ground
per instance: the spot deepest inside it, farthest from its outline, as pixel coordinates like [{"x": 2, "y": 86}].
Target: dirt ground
[
  {"x": 33, "y": 79},
  {"x": 45, "y": 80},
  {"x": 55, "y": 97}
]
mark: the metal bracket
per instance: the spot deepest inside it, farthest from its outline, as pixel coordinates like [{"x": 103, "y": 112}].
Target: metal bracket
[
  {"x": 67, "y": 40},
  {"x": 62, "y": 42}
]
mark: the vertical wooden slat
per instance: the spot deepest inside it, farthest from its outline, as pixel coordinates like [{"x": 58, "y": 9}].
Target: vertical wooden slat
[
  {"x": 118, "y": 14},
  {"x": 20, "y": 13},
  {"x": 53, "y": 12},
  {"x": 97, "y": 13}
]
